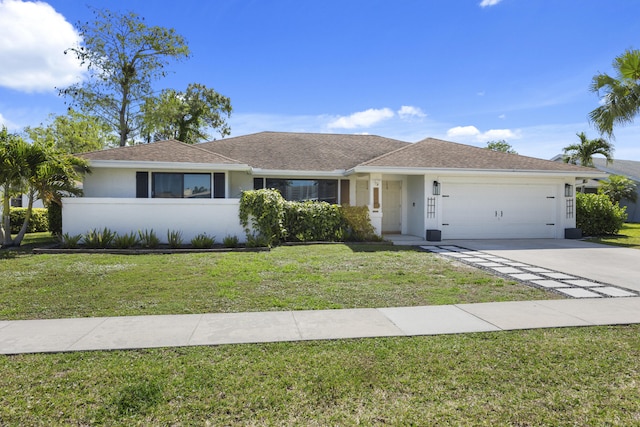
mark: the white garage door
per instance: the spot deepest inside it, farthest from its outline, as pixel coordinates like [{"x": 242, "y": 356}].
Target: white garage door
[{"x": 481, "y": 211}]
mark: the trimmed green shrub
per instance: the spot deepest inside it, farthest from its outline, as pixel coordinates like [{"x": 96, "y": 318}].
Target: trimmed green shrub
[
  {"x": 596, "y": 215},
  {"x": 313, "y": 221},
  {"x": 37, "y": 223},
  {"x": 203, "y": 241},
  {"x": 54, "y": 214},
  {"x": 357, "y": 224},
  {"x": 262, "y": 216}
]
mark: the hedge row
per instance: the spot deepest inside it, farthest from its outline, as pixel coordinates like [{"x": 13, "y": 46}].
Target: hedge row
[
  {"x": 268, "y": 219},
  {"x": 38, "y": 222}
]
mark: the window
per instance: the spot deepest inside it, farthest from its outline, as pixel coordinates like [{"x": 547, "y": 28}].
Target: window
[
  {"x": 324, "y": 190},
  {"x": 181, "y": 185}
]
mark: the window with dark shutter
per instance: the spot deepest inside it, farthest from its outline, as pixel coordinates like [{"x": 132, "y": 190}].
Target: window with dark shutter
[{"x": 142, "y": 185}]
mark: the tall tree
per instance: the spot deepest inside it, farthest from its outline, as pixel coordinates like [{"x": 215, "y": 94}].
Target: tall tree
[
  {"x": 186, "y": 116},
  {"x": 74, "y": 133},
  {"x": 502, "y": 146},
  {"x": 618, "y": 187},
  {"x": 124, "y": 56},
  {"x": 582, "y": 153},
  {"x": 619, "y": 94}
]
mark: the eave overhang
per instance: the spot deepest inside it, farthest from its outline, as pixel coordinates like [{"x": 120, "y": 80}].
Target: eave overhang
[
  {"x": 475, "y": 172},
  {"x": 152, "y": 165}
]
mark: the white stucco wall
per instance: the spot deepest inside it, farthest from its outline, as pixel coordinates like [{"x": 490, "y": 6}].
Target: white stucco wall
[{"x": 216, "y": 217}]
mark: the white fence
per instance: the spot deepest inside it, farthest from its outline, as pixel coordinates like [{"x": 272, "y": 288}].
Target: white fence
[{"x": 215, "y": 217}]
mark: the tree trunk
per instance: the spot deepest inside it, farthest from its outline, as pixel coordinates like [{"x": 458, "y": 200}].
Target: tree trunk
[
  {"x": 6, "y": 220},
  {"x": 17, "y": 241}
]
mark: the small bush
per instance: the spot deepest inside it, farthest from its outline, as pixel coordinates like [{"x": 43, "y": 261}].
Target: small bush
[
  {"x": 174, "y": 238},
  {"x": 202, "y": 241},
  {"x": 148, "y": 239},
  {"x": 357, "y": 224},
  {"x": 54, "y": 216},
  {"x": 69, "y": 242},
  {"x": 125, "y": 241},
  {"x": 313, "y": 221},
  {"x": 257, "y": 241},
  {"x": 596, "y": 215},
  {"x": 37, "y": 223},
  {"x": 262, "y": 216},
  {"x": 99, "y": 239},
  {"x": 230, "y": 242}
]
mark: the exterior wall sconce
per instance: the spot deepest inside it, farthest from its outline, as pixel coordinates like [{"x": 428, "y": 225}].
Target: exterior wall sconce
[
  {"x": 436, "y": 188},
  {"x": 568, "y": 190}
]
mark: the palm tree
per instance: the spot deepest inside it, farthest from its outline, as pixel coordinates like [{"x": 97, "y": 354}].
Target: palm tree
[
  {"x": 582, "y": 153},
  {"x": 618, "y": 187},
  {"x": 50, "y": 175},
  {"x": 13, "y": 167},
  {"x": 620, "y": 95}
]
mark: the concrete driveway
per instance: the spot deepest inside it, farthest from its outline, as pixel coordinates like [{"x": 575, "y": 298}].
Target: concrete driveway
[{"x": 607, "y": 264}]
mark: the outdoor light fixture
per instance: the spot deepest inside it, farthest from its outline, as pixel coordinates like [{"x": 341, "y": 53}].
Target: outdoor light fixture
[
  {"x": 568, "y": 190},
  {"x": 436, "y": 188}
]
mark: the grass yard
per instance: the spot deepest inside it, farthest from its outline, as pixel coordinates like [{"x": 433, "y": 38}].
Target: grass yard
[
  {"x": 569, "y": 376},
  {"x": 287, "y": 278},
  {"x": 628, "y": 236}
]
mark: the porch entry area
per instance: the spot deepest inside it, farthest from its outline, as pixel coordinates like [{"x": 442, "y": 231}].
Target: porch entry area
[{"x": 391, "y": 207}]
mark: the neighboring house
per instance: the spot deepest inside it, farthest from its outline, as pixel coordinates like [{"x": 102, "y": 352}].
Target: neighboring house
[
  {"x": 626, "y": 168},
  {"x": 455, "y": 191},
  {"x": 629, "y": 169}
]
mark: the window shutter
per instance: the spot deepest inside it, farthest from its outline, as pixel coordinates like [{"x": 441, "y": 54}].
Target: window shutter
[
  {"x": 142, "y": 185},
  {"x": 219, "y": 185}
]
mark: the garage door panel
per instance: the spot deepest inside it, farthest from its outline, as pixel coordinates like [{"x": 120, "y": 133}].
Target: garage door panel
[{"x": 497, "y": 211}]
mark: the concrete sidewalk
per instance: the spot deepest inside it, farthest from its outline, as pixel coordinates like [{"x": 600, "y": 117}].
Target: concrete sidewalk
[{"x": 111, "y": 333}]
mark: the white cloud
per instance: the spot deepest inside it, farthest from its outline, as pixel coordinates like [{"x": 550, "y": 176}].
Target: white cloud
[
  {"x": 362, "y": 119},
  {"x": 407, "y": 112},
  {"x": 9, "y": 124},
  {"x": 502, "y": 116},
  {"x": 485, "y": 3},
  {"x": 33, "y": 37},
  {"x": 463, "y": 131},
  {"x": 474, "y": 134}
]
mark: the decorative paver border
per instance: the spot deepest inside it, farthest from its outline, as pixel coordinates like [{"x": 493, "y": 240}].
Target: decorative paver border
[{"x": 568, "y": 285}]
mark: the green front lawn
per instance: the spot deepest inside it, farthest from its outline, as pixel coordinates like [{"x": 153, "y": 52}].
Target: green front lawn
[
  {"x": 628, "y": 236},
  {"x": 544, "y": 377},
  {"x": 286, "y": 278}
]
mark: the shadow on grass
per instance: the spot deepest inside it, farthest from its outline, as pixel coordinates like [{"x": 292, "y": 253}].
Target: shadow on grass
[{"x": 380, "y": 247}]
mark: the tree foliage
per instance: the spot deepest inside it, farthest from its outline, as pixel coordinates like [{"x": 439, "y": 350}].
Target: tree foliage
[
  {"x": 502, "y": 146},
  {"x": 619, "y": 94},
  {"x": 582, "y": 153},
  {"x": 186, "y": 116},
  {"x": 74, "y": 133},
  {"x": 618, "y": 188},
  {"x": 38, "y": 169},
  {"x": 596, "y": 215},
  {"x": 124, "y": 56}
]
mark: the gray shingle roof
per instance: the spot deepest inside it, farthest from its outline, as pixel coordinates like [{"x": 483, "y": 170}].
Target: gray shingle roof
[
  {"x": 303, "y": 151},
  {"x": 439, "y": 154},
  {"x": 161, "y": 151},
  {"x": 628, "y": 168}
]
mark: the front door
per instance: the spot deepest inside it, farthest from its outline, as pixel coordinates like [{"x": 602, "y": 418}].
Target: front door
[{"x": 392, "y": 207}]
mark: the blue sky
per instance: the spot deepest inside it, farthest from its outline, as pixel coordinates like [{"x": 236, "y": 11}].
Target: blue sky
[{"x": 459, "y": 70}]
